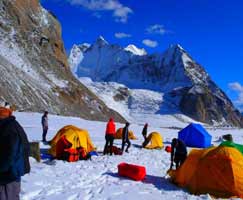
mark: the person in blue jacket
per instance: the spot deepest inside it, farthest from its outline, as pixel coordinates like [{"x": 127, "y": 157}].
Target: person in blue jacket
[
  {"x": 14, "y": 156},
  {"x": 178, "y": 152}
]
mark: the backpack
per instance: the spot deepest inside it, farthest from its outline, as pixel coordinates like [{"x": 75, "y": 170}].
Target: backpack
[
  {"x": 71, "y": 155},
  {"x": 115, "y": 150},
  {"x": 61, "y": 145}
]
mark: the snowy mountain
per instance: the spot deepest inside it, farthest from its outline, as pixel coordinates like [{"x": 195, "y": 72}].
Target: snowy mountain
[
  {"x": 185, "y": 85},
  {"x": 136, "y": 51},
  {"x": 35, "y": 75},
  {"x": 99, "y": 57}
]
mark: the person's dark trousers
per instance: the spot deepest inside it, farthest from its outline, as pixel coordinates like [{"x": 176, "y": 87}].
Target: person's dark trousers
[
  {"x": 109, "y": 143},
  {"x": 44, "y": 134},
  {"x": 128, "y": 145},
  {"x": 144, "y": 136},
  {"x": 179, "y": 159},
  {"x": 10, "y": 191}
]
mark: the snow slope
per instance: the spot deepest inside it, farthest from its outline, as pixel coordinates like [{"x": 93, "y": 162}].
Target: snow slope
[
  {"x": 137, "y": 105},
  {"x": 98, "y": 179}
]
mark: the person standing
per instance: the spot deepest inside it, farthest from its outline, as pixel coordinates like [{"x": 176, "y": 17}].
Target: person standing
[
  {"x": 178, "y": 152},
  {"x": 44, "y": 122},
  {"x": 109, "y": 136},
  {"x": 14, "y": 155},
  {"x": 125, "y": 137},
  {"x": 145, "y": 130}
]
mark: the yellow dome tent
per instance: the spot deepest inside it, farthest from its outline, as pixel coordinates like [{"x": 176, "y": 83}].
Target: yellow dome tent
[
  {"x": 216, "y": 170},
  {"x": 153, "y": 141},
  {"x": 119, "y": 134},
  {"x": 77, "y": 137}
]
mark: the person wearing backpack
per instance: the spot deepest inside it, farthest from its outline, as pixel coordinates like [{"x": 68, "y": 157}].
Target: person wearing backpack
[
  {"x": 14, "y": 155},
  {"x": 109, "y": 136}
]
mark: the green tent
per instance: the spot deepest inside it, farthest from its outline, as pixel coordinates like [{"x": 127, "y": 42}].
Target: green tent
[{"x": 232, "y": 144}]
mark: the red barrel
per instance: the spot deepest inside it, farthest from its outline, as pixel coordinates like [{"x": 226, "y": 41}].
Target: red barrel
[{"x": 134, "y": 172}]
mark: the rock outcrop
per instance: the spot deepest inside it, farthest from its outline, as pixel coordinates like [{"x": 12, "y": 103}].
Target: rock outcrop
[{"x": 35, "y": 75}]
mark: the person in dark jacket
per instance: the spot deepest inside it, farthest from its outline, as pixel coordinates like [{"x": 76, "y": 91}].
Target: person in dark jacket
[
  {"x": 14, "y": 155},
  {"x": 109, "y": 136},
  {"x": 178, "y": 152},
  {"x": 145, "y": 130},
  {"x": 44, "y": 123},
  {"x": 125, "y": 138}
]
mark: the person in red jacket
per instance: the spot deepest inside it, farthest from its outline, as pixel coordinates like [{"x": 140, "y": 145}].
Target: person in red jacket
[{"x": 109, "y": 135}]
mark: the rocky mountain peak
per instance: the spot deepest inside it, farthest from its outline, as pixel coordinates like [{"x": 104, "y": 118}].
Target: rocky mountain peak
[
  {"x": 178, "y": 59},
  {"x": 84, "y": 46},
  {"x": 100, "y": 41},
  {"x": 176, "y": 47},
  {"x": 176, "y": 53}
]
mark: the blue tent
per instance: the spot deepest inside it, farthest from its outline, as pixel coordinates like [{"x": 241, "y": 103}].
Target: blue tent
[{"x": 194, "y": 135}]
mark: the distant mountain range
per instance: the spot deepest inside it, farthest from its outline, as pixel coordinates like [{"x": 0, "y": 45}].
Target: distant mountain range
[{"x": 184, "y": 84}]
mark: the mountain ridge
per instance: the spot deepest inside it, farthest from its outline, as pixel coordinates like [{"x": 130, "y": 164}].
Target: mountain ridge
[{"x": 174, "y": 73}]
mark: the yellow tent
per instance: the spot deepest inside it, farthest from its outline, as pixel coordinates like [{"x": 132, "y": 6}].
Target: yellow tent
[
  {"x": 119, "y": 134},
  {"x": 153, "y": 141},
  {"x": 77, "y": 137},
  {"x": 216, "y": 170}
]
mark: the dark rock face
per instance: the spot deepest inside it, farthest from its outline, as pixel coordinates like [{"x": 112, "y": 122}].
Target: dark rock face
[
  {"x": 122, "y": 94},
  {"x": 208, "y": 107},
  {"x": 35, "y": 75}
]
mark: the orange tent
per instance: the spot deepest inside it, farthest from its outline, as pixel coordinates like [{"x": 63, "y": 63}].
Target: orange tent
[
  {"x": 75, "y": 136},
  {"x": 216, "y": 170},
  {"x": 153, "y": 141},
  {"x": 119, "y": 134}
]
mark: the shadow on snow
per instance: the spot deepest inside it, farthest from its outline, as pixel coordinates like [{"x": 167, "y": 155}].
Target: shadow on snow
[{"x": 161, "y": 183}]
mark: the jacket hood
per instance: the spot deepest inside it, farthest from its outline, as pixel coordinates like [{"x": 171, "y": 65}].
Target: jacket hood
[
  {"x": 5, "y": 112},
  {"x": 5, "y": 121}
]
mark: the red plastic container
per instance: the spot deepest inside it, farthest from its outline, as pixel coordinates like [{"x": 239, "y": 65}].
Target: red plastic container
[{"x": 134, "y": 172}]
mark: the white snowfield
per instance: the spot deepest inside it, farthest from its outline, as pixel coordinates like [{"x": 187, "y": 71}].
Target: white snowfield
[{"x": 98, "y": 178}]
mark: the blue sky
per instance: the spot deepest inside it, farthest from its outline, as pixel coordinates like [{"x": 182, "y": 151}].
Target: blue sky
[{"x": 211, "y": 31}]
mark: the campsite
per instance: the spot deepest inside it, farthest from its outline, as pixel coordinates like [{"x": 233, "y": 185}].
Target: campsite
[
  {"x": 98, "y": 178},
  {"x": 121, "y": 100}
]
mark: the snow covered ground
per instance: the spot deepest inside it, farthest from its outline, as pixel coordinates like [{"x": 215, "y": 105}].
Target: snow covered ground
[{"x": 98, "y": 179}]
